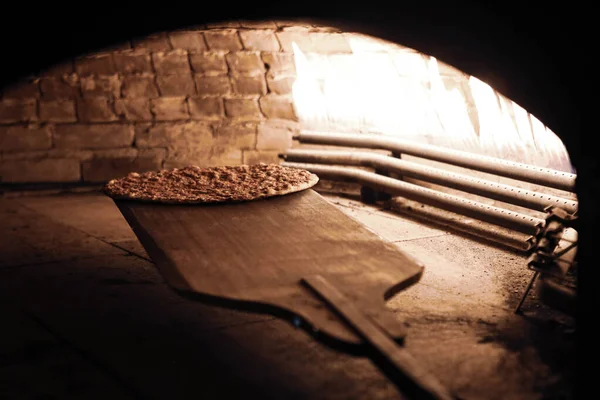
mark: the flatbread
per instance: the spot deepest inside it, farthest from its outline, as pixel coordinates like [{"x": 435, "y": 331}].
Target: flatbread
[{"x": 196, "y": 185}]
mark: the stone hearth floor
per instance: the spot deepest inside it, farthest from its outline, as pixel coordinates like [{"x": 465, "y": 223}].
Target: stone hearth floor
[{"x": 86, "y": 316}]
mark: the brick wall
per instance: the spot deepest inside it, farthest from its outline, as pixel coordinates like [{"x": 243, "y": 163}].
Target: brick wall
[
  {"x": 218, "y": 94},
  {"x": 214, "y": 95}
]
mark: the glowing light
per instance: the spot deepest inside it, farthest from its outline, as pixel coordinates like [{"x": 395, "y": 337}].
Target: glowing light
[
  {"x": 497, "y": 132},
  {"x": 387, "y": 89},
  {"x": 450, "y": 106}
]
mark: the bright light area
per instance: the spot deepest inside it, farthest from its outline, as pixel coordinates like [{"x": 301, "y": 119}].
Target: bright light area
[{"x": 391, "y": 90}]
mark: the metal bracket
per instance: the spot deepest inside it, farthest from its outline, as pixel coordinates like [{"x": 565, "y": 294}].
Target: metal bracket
[
  {"x": 549, "y": 257},
  {"x": 371, "y": 196}
]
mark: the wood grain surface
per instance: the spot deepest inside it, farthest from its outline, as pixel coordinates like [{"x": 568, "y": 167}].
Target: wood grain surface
[{"x": 253, "y": 256}]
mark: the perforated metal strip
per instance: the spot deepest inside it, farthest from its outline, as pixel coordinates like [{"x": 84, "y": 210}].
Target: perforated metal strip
[
  {"x": 495, "y": 215},
  {"x": 528, "y": 173},
  {"x": 494, "y": 190}
]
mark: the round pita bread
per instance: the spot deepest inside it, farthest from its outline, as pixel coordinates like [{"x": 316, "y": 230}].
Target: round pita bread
[{"x": 196, "y": 185}]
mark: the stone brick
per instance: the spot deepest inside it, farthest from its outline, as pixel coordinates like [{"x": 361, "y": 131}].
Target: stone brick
[
  {"x": 59, "y": 69},
  {"x": 172, "y": 62},
  {"x": 258, "y": 24},
  {"x": 411, "y": 64},
  {"x": 49, "y": 153},
  {"x": 327, "y": 43},
  {"x": 206, "y": 107},
  {"x": 156, "y": 152},
  {"x": 14, "y": 111},
  {"x": 242, "y": 108},
  {"x": 313, "y": 42},
  {"x": 169, "y": 108},
  {"x": 24, "y": 138},
  {"x": 300, "y": 36},
  {"x": 139, "y": 86},
  {"x": 176, "y": 85},
  {"x": 452, "y": 82},
  {"x": 105, "y": 169},
  {"x": 280, "y": 84},
  {"x": 157, "y": 42},
  {"x": 107, "y": 85},
  {"x": 206, "y": 158},
  {"x": 132, "y": 62},
  {"x": 96, "y": 136},
  {"x": 27, "y": 89},
  {"x": 187, "y": 40},
  {"x": 279, "y": 62},
  {"x": 133, "y": 109},
  {"x": 250, "y": 85},
  {"x": 59, "y": 88},
  {"x": 226, "y": 39},
  {"x": 101, "y": 64},
  {"x": 192, "y": 135},
  {"x": 274, "y": 136},
  {"x": 245, "y": 62},
  {"x": 122, "y": 152},
  {"x": 209, "y": 63},
  {"x": 324, "y": 28},
  {"x": 277, "y": 107},
  {"x": 297, "y": 24},
  {"x": 260, "y": 40},
  {"x": 222, "y": 157},
  {"x": 207, "y": 85},
  {"x": 95, "y": 109},
  {"x": 375, "y": 64},
  {"x": 321, "y": 67},
  {"x": 58, "y": 111},
  {"x": 450, "y": 70},
  {"x": 141, "y": 129},
  {"x": 40, "y": 170},
  {"x": 236, "y": 135},
  {"x": 252, "y": 157},
  {"x": 463, "y": 86}
]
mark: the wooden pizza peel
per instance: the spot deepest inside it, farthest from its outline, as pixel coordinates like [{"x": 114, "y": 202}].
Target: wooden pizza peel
[{"x": 296, "y": 257}]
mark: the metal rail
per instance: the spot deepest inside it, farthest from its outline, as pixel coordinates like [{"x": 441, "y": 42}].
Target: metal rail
[
  {"x": 497, "y": 191},
  {"x": 495, "y": 215},
  {"x": 528, "y": 173},
  {"x": 515, "y": 240}
]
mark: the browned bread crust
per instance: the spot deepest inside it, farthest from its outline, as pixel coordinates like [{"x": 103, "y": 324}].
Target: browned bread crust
[{"x": 196, "y": 185}]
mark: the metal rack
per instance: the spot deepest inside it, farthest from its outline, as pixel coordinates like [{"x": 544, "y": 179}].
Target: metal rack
[{"x": 552, "y": 244}]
